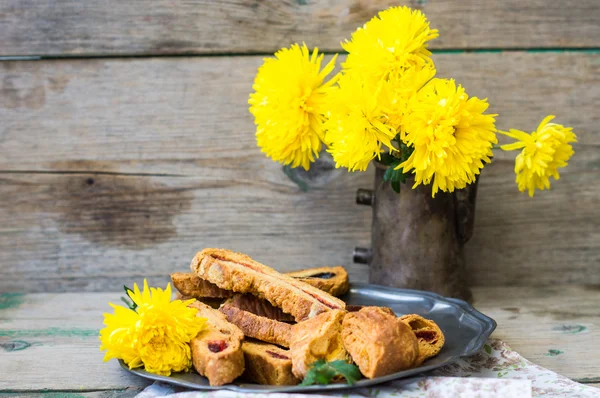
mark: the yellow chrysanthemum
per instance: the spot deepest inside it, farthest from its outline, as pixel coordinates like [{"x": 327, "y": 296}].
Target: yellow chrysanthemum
[
  {"x": 544, "y": 152},
  {"x": 356, "y": 127},
  {"x": 156, "y": 335},
  {"x": 390, "y": 43},
  {"x": 402, "y": 90},
  {"x": 288, "y": 105},
  {"x": 451, "y": 136}
]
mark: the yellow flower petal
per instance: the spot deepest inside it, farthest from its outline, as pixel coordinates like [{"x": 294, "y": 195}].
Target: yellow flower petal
[
  {"x": 451, "y": 137},
  {"x": 357, "y": 126},
  {"x": 544, "y": 151},
  {"x": 513, "y": 146},
  {"x": 157, "y": 336},
  {"x": 389, "y": 44},
  {"x": 289, "y": 105}
]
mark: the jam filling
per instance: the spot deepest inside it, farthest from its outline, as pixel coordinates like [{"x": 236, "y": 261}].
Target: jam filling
[
  {"x": 322, "y": 275},
  {"x": 217, "y": 346},
  {"x": 276, "y": 355},
  {"x": 325, "y": 303},
  {"x": 427, "y": 335},
  {"x": 254, "y": 268}
]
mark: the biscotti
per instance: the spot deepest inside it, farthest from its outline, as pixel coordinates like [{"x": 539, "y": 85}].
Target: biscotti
[
  {"x": 356, "y": 308},
  {"x": 258, "y": 306},
  {"x": 210, "y": 301},
  {"x": 333, "y": 280},
  {"x": 429, "y": 336},
  {"x": 238, "y": 272},
  {"x": 317, "y": 338},
  {"x": 217, "y": 351},
  {"x": 267, "y": 364},
  {"x": 379, "y": 343},
  {"x": 258, "y": 327},
  {"x": 190, "y": 285}
]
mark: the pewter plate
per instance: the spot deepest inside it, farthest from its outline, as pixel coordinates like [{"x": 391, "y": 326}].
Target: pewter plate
[{"x": 465, "y": 329}]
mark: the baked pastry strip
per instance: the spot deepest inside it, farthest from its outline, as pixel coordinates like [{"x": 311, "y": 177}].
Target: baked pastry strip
[
  {"x": 238, "y": 272},
  {"x": 333, "y": 280},
  {"x": 190, "y": 285},
  {"x": 258, "y": 306},
  {"x": 379, "y": 343},
  {"x": 217, "y": 351},
  {"x": 258, "y": 327},
  {"x": 267, "y": 364},
  {"x": 212, "y": 302},
  {"x": 429, "y": 336},
  {"x": 356, "y": 308},
  {"x": 317, "y": 338}
]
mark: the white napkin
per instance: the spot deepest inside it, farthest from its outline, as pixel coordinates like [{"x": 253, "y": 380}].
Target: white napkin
[{"x": 495, "y": 372}]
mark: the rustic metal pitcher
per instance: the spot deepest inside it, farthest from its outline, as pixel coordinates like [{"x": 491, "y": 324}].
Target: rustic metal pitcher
[{"x": 417, "y": 241}]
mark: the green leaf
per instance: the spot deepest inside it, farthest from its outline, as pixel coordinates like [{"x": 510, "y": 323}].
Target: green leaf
[
  {"x": 132, "y": 305},
  {"x": 322, "y": 372},
  {"x": 396, "y": 186},
  {"x": 399, "y": 176},
  {"x": 309, "y": 379},
  {"x": 387, "y": 159},
  {"x": 487, "y": 349},
  {"x": 127, "y": 302},
  {"x": 388, "y": 174},
  {"x": 395, "y": 176},
  {"x": 325, "y": 375},
  {"x": 348, "y": 371}
]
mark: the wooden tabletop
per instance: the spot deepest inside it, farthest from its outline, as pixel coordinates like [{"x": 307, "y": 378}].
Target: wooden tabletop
[{"x": 49, "y": 342}]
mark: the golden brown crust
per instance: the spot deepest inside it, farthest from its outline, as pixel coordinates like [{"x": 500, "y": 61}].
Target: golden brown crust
[
  {"x": 268, "y": 364},
  {"x": 258, "y": 306},
  {"x": 333, "y": 280},
  {"x": 429, "y": 336},
  {"x": 379, "y": 343},
  {"x": 217, "y": 351},
  {"x": 317, "y": 338},
  {"x": 210, "y": 301},
  {"x": 238, "y": 272},
  {"x": 258, "y": 327},
  {"x": 190, "y": 285},
  {"x": 356, "y": 308}
]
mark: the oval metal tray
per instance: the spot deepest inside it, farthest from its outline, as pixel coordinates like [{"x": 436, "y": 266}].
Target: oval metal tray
[{"x": 465, "y": 329}]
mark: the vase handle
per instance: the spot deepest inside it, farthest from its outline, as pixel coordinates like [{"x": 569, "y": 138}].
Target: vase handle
[
  {"x": 364, "y": 197},
  {"x": 362, "y": 255}
]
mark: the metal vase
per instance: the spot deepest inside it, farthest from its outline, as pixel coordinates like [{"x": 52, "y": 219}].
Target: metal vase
[{"x": 417, "y": 241}]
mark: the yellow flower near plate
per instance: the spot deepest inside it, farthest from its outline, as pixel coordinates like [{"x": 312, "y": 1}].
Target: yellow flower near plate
[{"x": 156, "y": 335}]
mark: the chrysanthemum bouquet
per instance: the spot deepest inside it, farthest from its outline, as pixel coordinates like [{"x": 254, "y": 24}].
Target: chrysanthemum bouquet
[{"x": 387, "y": 104}]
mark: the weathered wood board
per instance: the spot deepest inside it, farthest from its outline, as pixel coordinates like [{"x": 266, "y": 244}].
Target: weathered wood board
[
  {"x": 111, "y": 170},
  {"x": 61, "y": 329},
  {"x": 134, "y": 27},
  {"x": 555, "y": 326}
]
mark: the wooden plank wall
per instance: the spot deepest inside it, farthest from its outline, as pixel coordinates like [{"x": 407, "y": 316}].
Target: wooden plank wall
[
  {"x": 65, "y": 27},
  {"x": 113, "y": 168}
]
